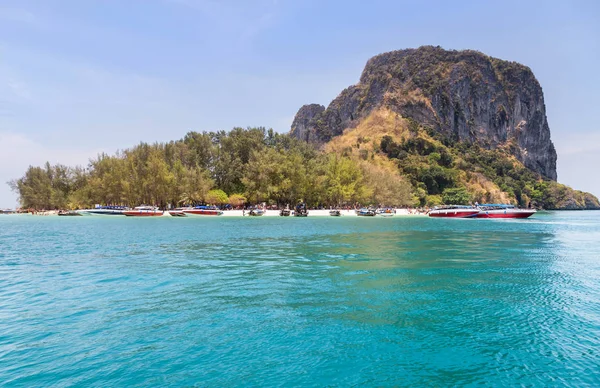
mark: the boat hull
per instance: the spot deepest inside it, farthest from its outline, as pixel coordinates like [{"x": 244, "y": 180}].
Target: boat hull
[
  {"x": 454, "y": 213},
  {"x": 506, "y": 213},
  {"x": 143, "y": 213},
  {"x": 101, "y": 212},
  {"x": 202, "y": 212}
]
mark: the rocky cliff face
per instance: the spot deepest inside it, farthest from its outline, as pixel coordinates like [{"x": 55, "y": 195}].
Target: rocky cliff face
[
  {"x": 303, "y": 124},
  {"x": 466, "y": 95}
]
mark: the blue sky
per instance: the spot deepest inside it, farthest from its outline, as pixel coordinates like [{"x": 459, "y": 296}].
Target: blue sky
[{"x": 79, "y": 77}]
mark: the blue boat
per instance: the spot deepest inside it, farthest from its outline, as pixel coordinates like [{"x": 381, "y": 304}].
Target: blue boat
[{"x": 365, "y": 212}]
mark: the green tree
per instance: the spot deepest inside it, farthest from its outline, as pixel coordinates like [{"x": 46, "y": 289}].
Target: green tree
[
  {"x": 196, "y": 185},
  {"x": 262, "y": 175},
  {"x": 216, "y": 197},
  {"x": 236, "y": 200},
  {"x": 387, "y": 187},
  {"x": 456, "y": 196},
  {"x": 343, "y": 181}
]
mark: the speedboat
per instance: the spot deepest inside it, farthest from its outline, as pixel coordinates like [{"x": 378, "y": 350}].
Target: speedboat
[
  {"x": 454, "y": 211},
  {"x": 503, "y": 211},
  {"x": 202, "y": 211},
  {"x": 104, "y": 211},
  {"x": 335, "y": 213},
  {"x": 256, "y": 212},
  {"x": 365, "y": 212},
  {"x": 285, "y": 212},
  {"x": 385, "y": 212},
  {"x": 177, "y": 213},
  {"x": 144, "y": 211}
]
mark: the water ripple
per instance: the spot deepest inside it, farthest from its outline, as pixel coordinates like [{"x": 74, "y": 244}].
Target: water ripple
[{"x": 312, "y": 302}]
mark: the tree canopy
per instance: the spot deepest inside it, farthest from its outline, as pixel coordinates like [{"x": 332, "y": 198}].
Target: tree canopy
[
  {"x": 255, "y": 165},
  {"x": 250, "y": 165}
]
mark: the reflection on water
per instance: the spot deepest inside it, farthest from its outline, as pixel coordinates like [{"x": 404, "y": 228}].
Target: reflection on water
[{"x": 221, "y": 302}]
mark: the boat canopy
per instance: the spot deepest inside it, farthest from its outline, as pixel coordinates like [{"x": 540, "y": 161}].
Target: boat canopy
[
  {"x": 454, "y": 207},
  {"x": 498, "y": 205},
  {"x": 206, "y": 207}
]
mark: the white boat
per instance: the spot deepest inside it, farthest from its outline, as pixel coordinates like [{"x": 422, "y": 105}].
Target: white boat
[
  {"x": 385, "y": 212},
  {"x": 454, "y": 211},
  {"x": 144, "y": 211},
  {"x": 503, "y": 211},
  {"x": 104, "y": 211},
  {"x": 201, "y": 211},
  {"x": 256, "y": 212},
  {"x": 366, "y": 212}
]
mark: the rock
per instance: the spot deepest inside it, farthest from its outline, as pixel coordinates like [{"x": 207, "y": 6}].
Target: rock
[
  {"x": 303, "y": 126},
  {"x": 466, "y": 95}
]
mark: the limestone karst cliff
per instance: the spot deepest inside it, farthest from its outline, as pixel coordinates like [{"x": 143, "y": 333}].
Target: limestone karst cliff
[{"x": 464, "y": 95}]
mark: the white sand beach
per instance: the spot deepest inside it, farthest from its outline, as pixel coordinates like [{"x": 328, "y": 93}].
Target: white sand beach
[
  {"x": 268, "y": 213},
  {"x": 313, "y": 213}
]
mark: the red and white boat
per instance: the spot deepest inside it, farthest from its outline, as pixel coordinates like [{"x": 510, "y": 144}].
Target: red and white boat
[
  {"x": 143, "y": 211},
  {"x": 201, "y": 211},
  {"x": 454, "y": 211},
  {"x": 503, "y": 211}
]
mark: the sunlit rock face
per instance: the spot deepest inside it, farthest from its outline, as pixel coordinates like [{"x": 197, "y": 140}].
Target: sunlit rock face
[{"x": 466, "y": 95}]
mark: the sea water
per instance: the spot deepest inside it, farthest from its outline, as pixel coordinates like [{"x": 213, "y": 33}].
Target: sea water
[{"x": 283, "y": 301}]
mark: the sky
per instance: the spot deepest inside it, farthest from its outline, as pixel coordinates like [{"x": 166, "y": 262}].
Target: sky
[{"x": 82, "y": 77}]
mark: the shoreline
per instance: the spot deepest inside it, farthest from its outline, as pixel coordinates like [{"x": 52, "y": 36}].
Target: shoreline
[{"x": 240, "y": 213}]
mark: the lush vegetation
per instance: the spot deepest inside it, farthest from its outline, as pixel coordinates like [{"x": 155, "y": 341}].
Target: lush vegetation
[
  {"x": 242, "y": 166},
  {"x": 446, "y": 171},
  {"x": 416, "y": 166}
]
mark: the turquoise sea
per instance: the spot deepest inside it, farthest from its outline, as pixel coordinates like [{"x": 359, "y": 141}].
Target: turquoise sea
[{"x": 224, "y": 302}]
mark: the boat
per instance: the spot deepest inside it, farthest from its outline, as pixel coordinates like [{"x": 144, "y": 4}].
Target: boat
[
  {"x": 301, "y": 210},
  {"x": 503, "y": 211},
  {"x": 256, "y": 212},
  {"x": 203, "y": 210},
  {"x": 335, "y": 213},
  {"x": 454, "y": 211},
  {"x": 385, "y": 212},
  {"x": 285, "y": 212},
  {"x": 177, "y": 213},
  {"x": 144, "y": 211},
  {"x": 70, "y": 213},
  {"x": 104, "y": 211},
  {"x": 365, "y": 212}
]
